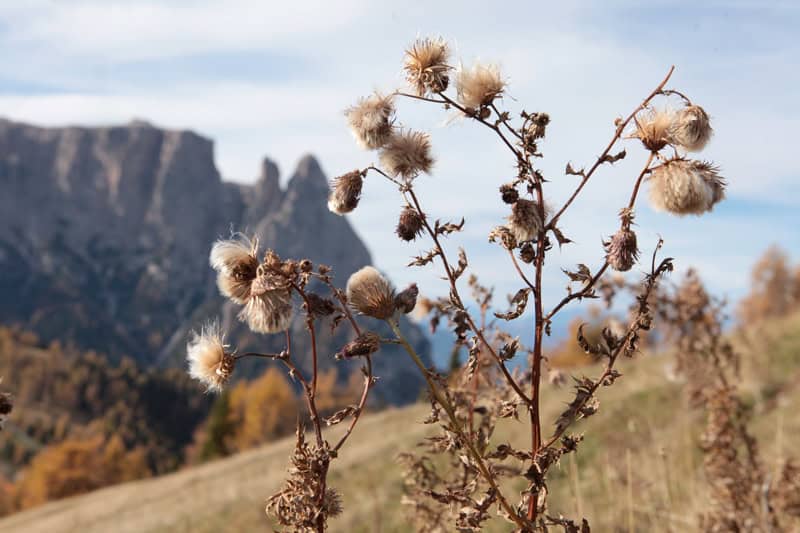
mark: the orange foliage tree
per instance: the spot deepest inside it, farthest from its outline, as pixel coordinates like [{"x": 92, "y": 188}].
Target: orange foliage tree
[{"x": 76, "y": 466}]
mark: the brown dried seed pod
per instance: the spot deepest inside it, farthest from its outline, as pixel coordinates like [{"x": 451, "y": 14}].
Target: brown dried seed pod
[
  {"x": 319, "y": 306},
  {"x": 406, "y": 300},
  {"x": 509, "y": 193},
  {"x": 525, "y": 221},
  {"x": 527, "y": 253},
  {"x": 370, "y": 293},
  {"x": 410, "y": 224},
  {"x": 346, "y": 192},
  {"x": 621, "y": 250},
  {"x": 365, "y": 344},
  {"x": 426, "y": 67}
]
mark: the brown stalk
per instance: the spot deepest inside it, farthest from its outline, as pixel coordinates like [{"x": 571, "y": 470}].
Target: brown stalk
[
  {"x": 602, "y": 157},
  {"x": 459, "y": 302},
  {"x": 456, "y": 425}
]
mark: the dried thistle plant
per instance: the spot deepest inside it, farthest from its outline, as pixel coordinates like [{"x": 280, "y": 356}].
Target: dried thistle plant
[
  {"x": 467, "y": 483},
  {"x": 742, "y": 497},
  {"x": 467, "y": 404}
]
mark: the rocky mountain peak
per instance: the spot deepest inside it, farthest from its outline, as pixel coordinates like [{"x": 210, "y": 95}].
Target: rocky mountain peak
[{"x": 105, "y": 234}]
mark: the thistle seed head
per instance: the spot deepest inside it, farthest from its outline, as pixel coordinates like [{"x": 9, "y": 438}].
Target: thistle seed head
[
  {"x": 406, "y": 300},
  {"x": 346, "y": 192},
  {"x": 478, "y": 86},
  {"x": 209, "y": 361},
  {"x": 653, "y": 128},
  {"x": 236, "y": 264},
  {"x": 363, "y": 345},
  {"x": 525, "y": 221},
  {"x": 691, "y": 128},
  {"x": 621, "y": 250},
  {"x": 509, "y": 193},
  {"x": 371, "y": 120},
  {"x": 371, "y": 294},
  {"x": 406, "y": 154},
  {"x": 426, "y": 67},
  {"x": 684, "y": 187},
  {"x": 269, "y": 308},
  {"x": 410, "y": 224}
]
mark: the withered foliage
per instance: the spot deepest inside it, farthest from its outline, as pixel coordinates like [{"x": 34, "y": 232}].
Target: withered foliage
[
  {"x": 742, "y": 496},
  {"x": 304, "y": 500}
]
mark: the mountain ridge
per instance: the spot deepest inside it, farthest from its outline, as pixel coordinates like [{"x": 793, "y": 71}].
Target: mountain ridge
[{"x": 105, "y": 234}]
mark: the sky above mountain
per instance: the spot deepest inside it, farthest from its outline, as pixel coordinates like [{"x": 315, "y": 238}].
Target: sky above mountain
[{"x": 273, "y": 78}]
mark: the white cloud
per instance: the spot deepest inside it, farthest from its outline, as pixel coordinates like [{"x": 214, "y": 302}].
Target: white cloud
[{"x": 578, "y": 63}]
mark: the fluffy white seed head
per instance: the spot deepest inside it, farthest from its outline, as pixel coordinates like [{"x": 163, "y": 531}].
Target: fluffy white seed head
[
  {"x": 686, "y": 187},
  {"x": 371, "y": 120},
  {"x": 269, "y": 308},
  {"x": 426, "y": 65},
  {"x": 406, "y": 154},
  {"x": 653, "y": 128},
  {"x": 209, "y": 361},
  {"x": 371, "y": 294},
  {"x": 691, "y": 128},
  {"x": 236, "y": 264},
  {"x": 479, "y": 86}
]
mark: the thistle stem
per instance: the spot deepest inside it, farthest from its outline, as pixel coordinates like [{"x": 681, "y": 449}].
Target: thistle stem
[{"x": 456, "y": 426}]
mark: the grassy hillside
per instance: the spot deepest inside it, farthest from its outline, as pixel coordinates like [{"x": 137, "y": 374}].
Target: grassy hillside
[{"x": 639, "y": 465}]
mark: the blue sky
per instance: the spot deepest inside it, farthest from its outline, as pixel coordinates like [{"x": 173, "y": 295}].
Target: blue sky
[{"x": 272, "y": 78}]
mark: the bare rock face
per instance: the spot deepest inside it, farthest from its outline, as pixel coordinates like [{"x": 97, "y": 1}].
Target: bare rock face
[{"x": 105, "y": 234}]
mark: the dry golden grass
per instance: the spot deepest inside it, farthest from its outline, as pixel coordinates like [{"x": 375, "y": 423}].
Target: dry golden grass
[{"x": 646, "y": 476}]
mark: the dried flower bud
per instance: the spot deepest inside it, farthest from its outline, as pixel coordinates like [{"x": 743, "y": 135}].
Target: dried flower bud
[
  {"x": 236, "y": 263},
  {"x": 691, "y": 128},
  {"x": 479, "y": 86},
  {"x": 653, "y": 129},
  {"x": 406, "y": 300},
  {"x": 269, "y": 308},
  {"x": 209, "y": 361},
  {"x": 426, "y": 67},
  {"x": 509, "y": 193},
  {"x": 503, "y": 235},
  {"x": 527, "y": 253},
  {"x": 410, "y": 224},
  {"x": 537, "y": 126},
  {"x": 371, "y": 120},
  {"x": 525, "y": 221},
  {"x": 370, "y": 293},
  {"x": 319, "y": 306},
  {"x": 621, "y": 250},
  {"x": 346, "y": 192},
  {"x": 363, "y": 345},
  {"x": 685, "y": 187},
  {"x": 406, "y": 154}
]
